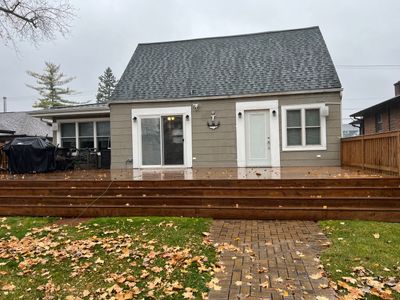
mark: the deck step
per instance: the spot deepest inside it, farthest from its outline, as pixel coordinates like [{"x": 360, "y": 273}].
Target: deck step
[
  {"x": 220, "y": 212},
  {"x": 308, "y": 199}
]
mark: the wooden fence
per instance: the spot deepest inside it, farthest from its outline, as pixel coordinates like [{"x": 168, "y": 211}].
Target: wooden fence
[{"x": 380, "y": 152}]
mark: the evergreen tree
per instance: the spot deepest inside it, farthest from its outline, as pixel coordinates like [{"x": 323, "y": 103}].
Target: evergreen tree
[
  {"x": 106, "y": 86},
  {"x": 50, "y": 87}
]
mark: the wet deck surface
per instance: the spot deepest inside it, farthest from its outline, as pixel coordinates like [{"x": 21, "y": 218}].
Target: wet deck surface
[{"x": 202, "y": 173}]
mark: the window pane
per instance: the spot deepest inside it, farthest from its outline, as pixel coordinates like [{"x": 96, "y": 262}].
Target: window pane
[
  {"x": 103, "y": 143},
  {"x": 86, "y": 129},
  {"x": 293, "y": 118},
  {"x": 173, "y": 140},
  {"x": 151, "y": 147},
  {"x": 68, "y": 142},
  {"x": 294, "y": 136},
  {"x": 68, "y": 130},
  {"x": 103, "y": 128},
  {"x": 312, "y": 117},
  {"x": 313, "y": 136},
  {"x": 86, "y": 143}
]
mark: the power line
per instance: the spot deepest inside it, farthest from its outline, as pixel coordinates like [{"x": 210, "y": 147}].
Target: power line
[{"x": 371, "y": 66}]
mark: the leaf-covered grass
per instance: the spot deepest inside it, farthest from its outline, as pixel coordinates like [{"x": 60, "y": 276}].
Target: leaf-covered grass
[
  {"x": 374, "y": 246},
  {"x": 16, "y": 226},
  {"x": 105, "y": 257}
]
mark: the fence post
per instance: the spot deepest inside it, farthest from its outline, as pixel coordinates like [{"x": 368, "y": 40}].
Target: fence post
[
  {"x": 398, "y": 152},
  {"x": 362, "y": 153}
]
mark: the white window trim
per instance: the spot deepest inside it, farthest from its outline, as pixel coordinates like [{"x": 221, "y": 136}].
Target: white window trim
[
  {"x": 241, "y": 107},
  {"x": 76, "y": 122},
  {"x": 158, "y": 112},
  {"x": 302, "y": 108}
]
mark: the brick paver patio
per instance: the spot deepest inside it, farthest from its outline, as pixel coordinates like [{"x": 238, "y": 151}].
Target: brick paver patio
[{"x": 269, "y": 260}]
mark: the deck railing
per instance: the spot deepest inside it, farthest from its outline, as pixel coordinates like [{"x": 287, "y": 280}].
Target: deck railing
[{"x": 380, "y": 152}]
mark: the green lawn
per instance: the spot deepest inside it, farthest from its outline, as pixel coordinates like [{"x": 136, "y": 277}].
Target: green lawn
[
  {"x": 366, "y": 251},
  {"x": 124, "y": 258}
]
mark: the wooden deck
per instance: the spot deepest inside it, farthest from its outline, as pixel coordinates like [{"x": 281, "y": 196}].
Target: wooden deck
[{"x": 217, "y": 193}]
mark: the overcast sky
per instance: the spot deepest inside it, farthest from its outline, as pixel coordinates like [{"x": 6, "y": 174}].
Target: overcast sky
[{"x": 106, "y": 32}]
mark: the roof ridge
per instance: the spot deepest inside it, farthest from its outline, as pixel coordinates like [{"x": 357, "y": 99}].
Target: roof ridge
[{"x": 230, "y": 36}]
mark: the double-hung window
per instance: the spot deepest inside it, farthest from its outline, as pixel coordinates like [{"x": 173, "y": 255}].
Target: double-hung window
[{"x": 303, "y": 127}]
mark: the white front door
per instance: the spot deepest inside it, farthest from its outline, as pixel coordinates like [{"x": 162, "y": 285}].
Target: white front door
[{"x": 257, "y": 138}]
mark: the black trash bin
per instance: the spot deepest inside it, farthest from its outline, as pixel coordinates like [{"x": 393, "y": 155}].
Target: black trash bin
[{"x": 30, "y": 155}]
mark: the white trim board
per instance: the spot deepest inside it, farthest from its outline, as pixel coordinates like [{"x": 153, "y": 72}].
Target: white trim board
[
  {"x": 199, "y": 98},
  {"x": 303, "y": 147},
  {"x": 157, "y": 112},
  {"x": 271, "y": 105}
]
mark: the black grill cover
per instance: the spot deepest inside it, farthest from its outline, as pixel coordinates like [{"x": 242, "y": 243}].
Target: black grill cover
[{"x": 30, "y": 155}]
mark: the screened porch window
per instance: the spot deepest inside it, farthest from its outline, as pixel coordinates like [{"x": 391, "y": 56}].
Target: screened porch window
[
  {"x": 68, "y": 138},
  {"x": 103, "y": 135},
  {"x": 86, "y": 136}
]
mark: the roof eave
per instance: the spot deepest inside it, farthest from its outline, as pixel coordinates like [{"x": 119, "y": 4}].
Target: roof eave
[
  {"x": 200, "y": 98},
  {"x": 361, "y": 113},
  {"x": 71, "y": 112}
]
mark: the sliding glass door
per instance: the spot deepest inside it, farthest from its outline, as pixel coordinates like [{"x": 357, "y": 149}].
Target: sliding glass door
[{"x": 162, "y": 140}]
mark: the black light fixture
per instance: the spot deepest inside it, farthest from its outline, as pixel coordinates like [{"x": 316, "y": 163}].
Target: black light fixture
[
  {"x": 134, "y": 119},
  {"x": 240, "y": 114},
  {"x": 187, "y": 117},
  {"x": 274, "y": 113}
]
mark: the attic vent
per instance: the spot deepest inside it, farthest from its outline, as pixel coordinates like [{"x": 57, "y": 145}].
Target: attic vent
[{"x": 192, "y": 92}]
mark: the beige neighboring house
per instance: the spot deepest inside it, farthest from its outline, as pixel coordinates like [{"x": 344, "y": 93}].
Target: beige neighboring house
[{"x": 270, "y": 99}]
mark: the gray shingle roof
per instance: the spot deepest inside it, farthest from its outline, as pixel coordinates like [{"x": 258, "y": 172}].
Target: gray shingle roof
[
  {"x": 280, "y": 61},
  {"x": 24, "y": 124}
]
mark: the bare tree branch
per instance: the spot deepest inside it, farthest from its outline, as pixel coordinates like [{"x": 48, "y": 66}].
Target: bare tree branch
[{"x": 34, "y": 20}]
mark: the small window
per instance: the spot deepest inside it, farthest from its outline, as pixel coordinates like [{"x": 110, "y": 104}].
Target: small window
[
  {"x": 378, "y": 122},
  {"x": 303, "y": 128},
  {"x": 103, "y": 135},
  {"x": 68, "y": 135},
  {"x": 86, "y": 138}
]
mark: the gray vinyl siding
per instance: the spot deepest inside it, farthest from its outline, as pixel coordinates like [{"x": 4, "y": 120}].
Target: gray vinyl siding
[
  {"x": 210, "y": 148},
  {"x": 217, "y": 148},
  {"x": 330, "y": 156}
]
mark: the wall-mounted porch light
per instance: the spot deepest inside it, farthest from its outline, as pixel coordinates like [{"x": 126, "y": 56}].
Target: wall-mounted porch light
[
  {"x": 134, "y": 119},
  {"x": 240, "y": 115},
  {"x": 187, "y": 117},
  {"x": 274, "y": 113}
]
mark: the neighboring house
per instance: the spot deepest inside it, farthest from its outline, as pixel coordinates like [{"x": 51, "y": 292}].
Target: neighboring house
[
  {"x": 264, "y": 99},
  {"x": 349, "y": 130},
  {"x": 382, "y": 117},
  {"x": 21, "y": 124}
]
